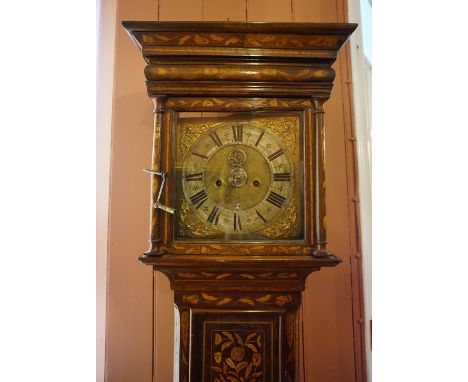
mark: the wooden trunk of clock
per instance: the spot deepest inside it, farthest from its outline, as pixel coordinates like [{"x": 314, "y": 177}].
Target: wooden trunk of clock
[{"x": 238, "y": 186}]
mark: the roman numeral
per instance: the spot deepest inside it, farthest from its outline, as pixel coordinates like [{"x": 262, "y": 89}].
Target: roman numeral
[
  {"x": 216, "y": 139},
  {"x": 193, "y": 177},
  {"x": 260, "y": 137},
  {"x": 214, "y": 215},
  {"x": 276, "y": 199},
  {"x": 237, "y": 222},
  {"x": 237, "y": 132},
  {"x": 282, "y": 177},
  {"x": 199, "y": 198},
  {"x": 276, "y": 154},
  {"x": 199, "y": 155},
  {"x": 260, "y": 216}
]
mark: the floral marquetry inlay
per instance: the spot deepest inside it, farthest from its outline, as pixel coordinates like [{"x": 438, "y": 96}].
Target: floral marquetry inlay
[
  {"x": 238, "y": 40},
  {"x": 167, "y": 72},
  {"x": 197, "y": 39},
  {"x": 220, "y": 299},
  {"x": 213, "y": 103},
  {"x": 237, "y": 356},
  {"x": 291, "y": 41}
]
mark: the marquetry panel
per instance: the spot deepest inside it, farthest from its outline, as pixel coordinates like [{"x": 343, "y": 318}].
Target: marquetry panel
[
  {"x": 190, "y": 39},
  {"x": 237, "y": 346},
  {"x": 240, "y": 300},
  {"x": 236, "y": 40},
  {"x": 291, "y": 41},
  {"x": 218, "y": 104},
  {"x": 207, "y": 72}
]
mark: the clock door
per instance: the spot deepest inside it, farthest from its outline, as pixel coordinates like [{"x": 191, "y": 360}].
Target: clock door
[{"x": 239, "y": 178}]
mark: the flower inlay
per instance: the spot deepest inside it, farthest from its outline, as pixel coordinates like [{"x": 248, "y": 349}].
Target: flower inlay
[{"x": 237, "y": 356}]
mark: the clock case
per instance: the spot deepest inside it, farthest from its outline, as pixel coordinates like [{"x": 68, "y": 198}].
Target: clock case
[
  {"x": 242, "y": 289},
  {"x": 269, "y": 68}
]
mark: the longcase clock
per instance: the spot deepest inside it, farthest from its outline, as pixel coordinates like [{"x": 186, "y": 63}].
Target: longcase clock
[{"x": 238, "y": 185}]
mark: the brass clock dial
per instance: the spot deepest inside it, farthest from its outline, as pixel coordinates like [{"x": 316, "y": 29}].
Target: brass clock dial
[{"x": 236, "y": 179}]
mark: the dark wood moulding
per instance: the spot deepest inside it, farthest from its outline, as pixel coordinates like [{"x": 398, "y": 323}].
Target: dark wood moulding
[{"x": 191, "y": 58}]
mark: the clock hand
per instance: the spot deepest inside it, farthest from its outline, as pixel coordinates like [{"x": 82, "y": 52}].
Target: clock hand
[{"x": 226, "y": 193}]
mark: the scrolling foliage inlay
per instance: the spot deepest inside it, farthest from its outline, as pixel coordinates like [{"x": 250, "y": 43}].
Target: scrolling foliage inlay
[
  {"x": 237, "y": 40},
  {"x": 292, "y": 41},
  {"x": 213, "y": 103},
  {"x": 206, "y": 299},
  {"x": 197, "y": 39}
]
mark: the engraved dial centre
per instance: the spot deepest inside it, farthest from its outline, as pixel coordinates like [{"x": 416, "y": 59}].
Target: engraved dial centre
[
  {"x": 232, "y": 184},
  {"x": 237, "y": 177},
  {"x": 237, "y": 158}
]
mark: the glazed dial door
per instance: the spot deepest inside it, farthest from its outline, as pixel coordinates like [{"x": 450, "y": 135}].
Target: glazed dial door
[{"x": 235, "y": 180}]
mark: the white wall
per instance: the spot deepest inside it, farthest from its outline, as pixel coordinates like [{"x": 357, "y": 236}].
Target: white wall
[
  {"x": 362, "y": 94},
  {"x": 106, "y": 19}
]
